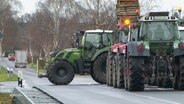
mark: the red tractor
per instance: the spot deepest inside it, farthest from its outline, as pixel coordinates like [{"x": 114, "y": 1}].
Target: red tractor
[{"x": 127, "y": 12}]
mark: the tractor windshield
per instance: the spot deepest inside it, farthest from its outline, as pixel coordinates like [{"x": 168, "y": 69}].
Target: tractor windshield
[
  {"x": 97, "y": 39},
  {"x": 122, "y": 37},
  {"x": 94, "y": 41},
  {"x": 159, "y": 30}
]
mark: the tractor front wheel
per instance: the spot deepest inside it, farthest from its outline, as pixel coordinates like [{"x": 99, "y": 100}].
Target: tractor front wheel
[
  {"x": 60, "y": 73},
  {"x": 109, "y": 69}
]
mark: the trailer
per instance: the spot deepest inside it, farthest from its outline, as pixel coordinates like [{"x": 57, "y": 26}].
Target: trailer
[{"x": 20, "y": 58}]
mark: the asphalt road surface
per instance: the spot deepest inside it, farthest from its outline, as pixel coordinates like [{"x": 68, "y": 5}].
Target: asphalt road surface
[{"x": 83, "y": 90}]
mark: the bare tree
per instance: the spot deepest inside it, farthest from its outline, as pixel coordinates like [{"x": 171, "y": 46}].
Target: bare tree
[
  {"x": 98, "y": 12},
  {"x": 7, "y": 11},
  {"x": 57, "y": 9},
  {"x": 52, "y": 25},
  {"x": 149, "y": 5}
]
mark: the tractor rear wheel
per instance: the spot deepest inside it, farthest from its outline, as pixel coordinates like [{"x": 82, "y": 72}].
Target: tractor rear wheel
[
  {"x": 109, "y": 69},
  {"x": 135, "y": 74},
  {"x": 114, "y": 72},
  {"x": 120, "y": 70},
  {"x": 181, "y": 74},
  {"x": 60, "y": 73},
  {"x": 98, "y": 72},
  {"x": 160, "y": 83},
  {"x": 167, "y": 83}
]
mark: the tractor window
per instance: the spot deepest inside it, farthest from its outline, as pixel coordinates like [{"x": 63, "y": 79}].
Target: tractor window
[
  {"x": 92, "y": 39},
  {"x": 106, "y": 39},
  {"x": 159, "y": 30},
  {"x": 182, "y": 34},
  {"x": 122, "y": 37},
  {"x": 134, "y": 33}
]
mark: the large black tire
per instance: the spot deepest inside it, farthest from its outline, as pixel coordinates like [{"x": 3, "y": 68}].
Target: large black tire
[
  {"x": 60, "y": 73},
  {"x": 125, "y": 72},
  {"x": 181, "y": 74},
  {"x": 114, "y": 72},
  {"x": 109, "y": 69},
  {"x": 160, "y": 83},
  {"x": 176, "y": 81},
  {"x": 136, "y": 74},
  {"x": 98, "y": 72},
  {"x": 120, "y": 70},
  {"x": 167, "y": 83}
]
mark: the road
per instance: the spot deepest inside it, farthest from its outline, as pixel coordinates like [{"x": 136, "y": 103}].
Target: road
[{"x": 83, "y": 90}]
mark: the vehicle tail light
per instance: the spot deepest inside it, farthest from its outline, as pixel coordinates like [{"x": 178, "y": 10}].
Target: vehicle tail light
[
  {"x": 140, "y": 47},
  {"x": 181, "y": 45}
]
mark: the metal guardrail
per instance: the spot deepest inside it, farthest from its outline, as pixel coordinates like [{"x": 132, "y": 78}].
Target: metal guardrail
[
  {"x": 58, "y": 101},
  {"x": 20, "y": 97},
  {"x": 34, "y": 95}
]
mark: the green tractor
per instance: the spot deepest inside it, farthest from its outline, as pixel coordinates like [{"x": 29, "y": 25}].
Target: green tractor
[
  {"x": 89, "y": 55},
  {"x": 157, "y": 56}
]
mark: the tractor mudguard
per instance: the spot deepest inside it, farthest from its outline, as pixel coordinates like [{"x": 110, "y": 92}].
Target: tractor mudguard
[
  {"x": 100, "y": 52},
  {"x": 133, "y": 49}
]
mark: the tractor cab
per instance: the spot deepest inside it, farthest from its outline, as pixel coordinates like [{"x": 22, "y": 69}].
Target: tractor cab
[
  {"x": 94, "y": 41},
  {"x": 159, "y": 26}
]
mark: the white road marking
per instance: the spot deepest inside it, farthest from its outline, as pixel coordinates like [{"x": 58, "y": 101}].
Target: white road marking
[{"x": 153, "y": 98}]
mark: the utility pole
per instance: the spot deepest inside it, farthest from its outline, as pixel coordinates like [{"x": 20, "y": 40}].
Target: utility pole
[{"x": 1, "y": 47}]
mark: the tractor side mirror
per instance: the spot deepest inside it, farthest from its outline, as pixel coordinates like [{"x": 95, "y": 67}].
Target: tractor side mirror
[{"x": 75, "y": 39}]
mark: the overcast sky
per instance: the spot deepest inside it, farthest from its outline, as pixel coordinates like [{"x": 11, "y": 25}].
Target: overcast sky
[
  {"x": 29, "y": 6},
  {"x": 169, "y": 4}
]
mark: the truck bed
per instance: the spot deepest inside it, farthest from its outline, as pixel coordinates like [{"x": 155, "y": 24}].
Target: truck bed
[{"x": 127, "y": 8}]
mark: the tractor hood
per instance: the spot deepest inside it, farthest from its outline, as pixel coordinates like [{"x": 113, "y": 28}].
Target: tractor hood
[
  {"x": 67, "y": 51},
  {"x": 69, "y": 54},
  {"x": 71, "y": 49}
]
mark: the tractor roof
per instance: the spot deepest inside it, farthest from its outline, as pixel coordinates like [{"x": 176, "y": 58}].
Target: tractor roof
[
  {"x": 98, "y": 31},
  {"x": 158, "y": 16}
]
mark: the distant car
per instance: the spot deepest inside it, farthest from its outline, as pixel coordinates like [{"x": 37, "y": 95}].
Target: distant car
[{"x": 11, "y": 57}]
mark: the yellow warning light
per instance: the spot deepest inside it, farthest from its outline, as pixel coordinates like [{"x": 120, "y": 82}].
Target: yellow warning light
[
  {"x": 179, "y": 9},
  {"x": 127, "y": 22}
]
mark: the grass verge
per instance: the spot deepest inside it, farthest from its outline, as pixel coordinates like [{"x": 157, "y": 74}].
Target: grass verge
[
  {"x": 6, "y": 98},
  {"x": 5, "y": 76},
  {"x": 32, "y": 66}
]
